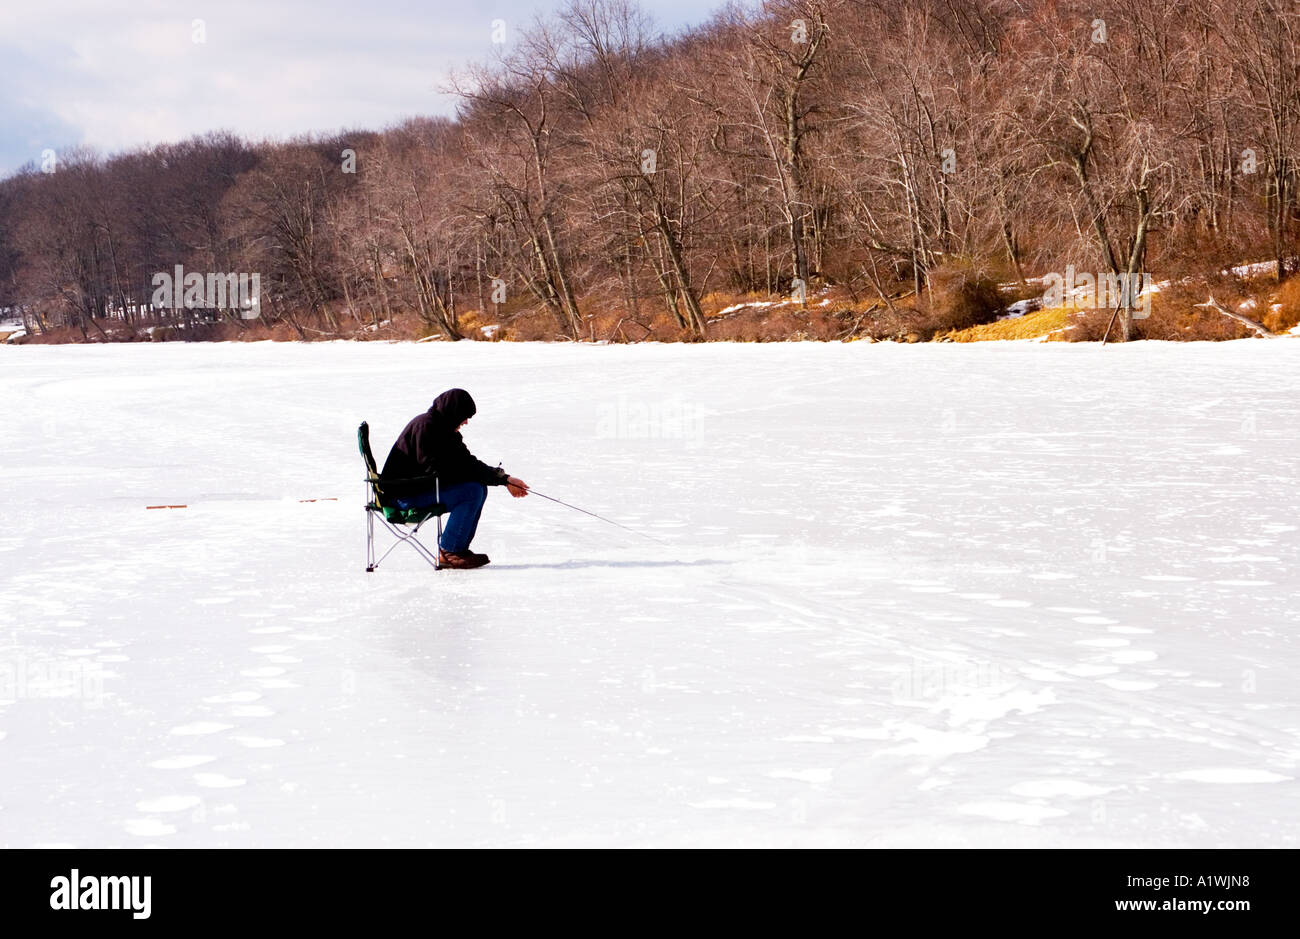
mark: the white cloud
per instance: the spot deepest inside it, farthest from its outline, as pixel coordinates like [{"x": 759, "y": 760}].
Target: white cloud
[{"x": 116, "y": 75}]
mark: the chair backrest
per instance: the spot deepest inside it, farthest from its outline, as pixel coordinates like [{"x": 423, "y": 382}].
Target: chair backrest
[{"x": 363, "y": 444}]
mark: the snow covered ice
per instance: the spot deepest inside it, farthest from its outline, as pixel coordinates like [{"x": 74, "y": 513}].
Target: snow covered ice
[{"x": 989, "y": 595}]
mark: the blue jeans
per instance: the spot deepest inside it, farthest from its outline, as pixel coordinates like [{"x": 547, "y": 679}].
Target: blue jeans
[{"x": 464, "y": 502}]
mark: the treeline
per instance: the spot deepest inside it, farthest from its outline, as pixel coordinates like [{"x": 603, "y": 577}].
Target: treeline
[{"x": 603, "y": 180}]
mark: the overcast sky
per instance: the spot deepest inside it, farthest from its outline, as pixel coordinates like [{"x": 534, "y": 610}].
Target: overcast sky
[{"x": 116, "y": 74}]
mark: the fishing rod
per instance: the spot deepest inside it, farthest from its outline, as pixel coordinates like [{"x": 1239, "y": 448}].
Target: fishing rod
[{"x": 594, "y": 515}]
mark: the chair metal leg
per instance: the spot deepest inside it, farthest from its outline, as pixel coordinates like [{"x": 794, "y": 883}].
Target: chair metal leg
[
  {"x": 410, "y": 537},
  {"x": 437, "y": 497},
  {"x": 370, "y": 540}
]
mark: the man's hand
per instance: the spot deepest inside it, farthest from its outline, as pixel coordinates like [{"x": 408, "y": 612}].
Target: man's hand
[{"x": 518, "y": 488}]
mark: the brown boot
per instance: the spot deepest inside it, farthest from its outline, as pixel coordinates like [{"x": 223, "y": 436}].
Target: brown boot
[{"x": 464, "y": 561}]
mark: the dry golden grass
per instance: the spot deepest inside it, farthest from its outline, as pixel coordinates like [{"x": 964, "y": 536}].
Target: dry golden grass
[
  {"x": 1030, "y": 326},
  {"x": 1282, "y": 309}
]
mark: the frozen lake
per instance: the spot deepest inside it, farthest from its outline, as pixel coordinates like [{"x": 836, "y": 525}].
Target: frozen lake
[{"x": 933, "y": 595}]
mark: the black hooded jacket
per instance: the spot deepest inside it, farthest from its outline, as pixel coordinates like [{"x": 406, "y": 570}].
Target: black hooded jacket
[{"x": 431, "y": 445}]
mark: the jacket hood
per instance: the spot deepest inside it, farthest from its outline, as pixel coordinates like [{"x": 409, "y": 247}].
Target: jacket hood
[{"x": 453, "y": 407}]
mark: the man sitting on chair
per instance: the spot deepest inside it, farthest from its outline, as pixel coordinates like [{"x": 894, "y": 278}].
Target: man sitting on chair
[{"x": 431, "y": 445}]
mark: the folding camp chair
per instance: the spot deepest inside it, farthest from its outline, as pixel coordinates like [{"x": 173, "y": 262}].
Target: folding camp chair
[{"x": 395, "y": 519}]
